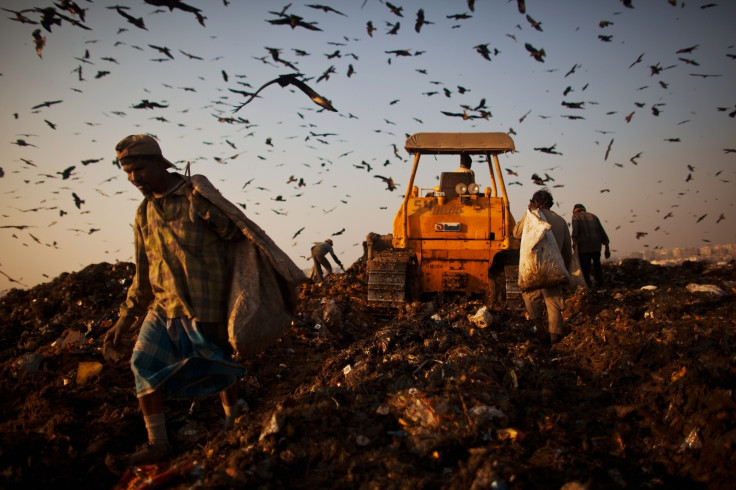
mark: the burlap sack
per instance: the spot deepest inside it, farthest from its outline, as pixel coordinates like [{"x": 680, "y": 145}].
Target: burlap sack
[{"x": 263, "y": 293}]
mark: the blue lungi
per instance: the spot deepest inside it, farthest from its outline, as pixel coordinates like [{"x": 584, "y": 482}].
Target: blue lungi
[{"x": 171, "y": 354}]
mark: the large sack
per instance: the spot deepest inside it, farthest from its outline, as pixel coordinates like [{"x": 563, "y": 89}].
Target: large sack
[
  {"x": 263, "y": 293},
  {"x": 261, "y": 304},
  {"x": 540, "y": 262}
]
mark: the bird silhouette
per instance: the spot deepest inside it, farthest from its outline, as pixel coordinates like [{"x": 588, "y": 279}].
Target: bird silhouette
[
  {"x": 389, "y": 182},
  {"x": 420, "y": 22},
  {"x": 66, "y": 173},
  {"x": 146, "y": 104},
  {"x": 178, "y": 4},
  {"x": 638, "y": 60},
  {"x": 77, "y": 200},
  {"x": 537, "y": 54},
  {"x": 394, "y": 9},
  {"x": 325, "y": 8},
  {"x": 47, "y": 103},
  {"x": 294, "y": 21},
  {"x": 536, "y": 25},
  {"x": 549, "y": 149},
  {"x": 291, "y": 79},
  {"x": 162, "y": 50},
  {"x": 138, "y": 22},
  {"x": 483, "y": 50},
  {"x": 22, "y": 142},
  {"x": 39, "y": 42}
]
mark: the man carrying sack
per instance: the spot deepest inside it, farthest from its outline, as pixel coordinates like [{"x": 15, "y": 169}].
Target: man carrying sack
[
  {"x": 186, "y": 236},
  {"x": 544, "y": 264}
]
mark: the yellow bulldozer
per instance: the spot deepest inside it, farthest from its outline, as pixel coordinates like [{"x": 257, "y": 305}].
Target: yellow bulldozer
[{"x": 453, "y": 237}]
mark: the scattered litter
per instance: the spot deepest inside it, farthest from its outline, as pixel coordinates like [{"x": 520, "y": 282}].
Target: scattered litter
[
  {"x": 87, "y": 371},
  {"x": 30, "y": 362},
  {"x": 706, "y": 288},
  {"x": 482, "y": 318}
]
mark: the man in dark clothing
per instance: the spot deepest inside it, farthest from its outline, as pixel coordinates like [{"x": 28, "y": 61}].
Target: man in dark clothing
[
  {"x": 319, "y": 256},
  {"x": 588, "y": 236}
]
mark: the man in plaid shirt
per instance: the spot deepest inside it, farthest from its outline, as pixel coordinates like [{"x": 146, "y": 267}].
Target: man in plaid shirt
[{"x": 180, "y": 292}]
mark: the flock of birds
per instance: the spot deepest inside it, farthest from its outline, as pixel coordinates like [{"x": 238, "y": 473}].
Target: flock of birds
[{"x": 44, "y": 21}]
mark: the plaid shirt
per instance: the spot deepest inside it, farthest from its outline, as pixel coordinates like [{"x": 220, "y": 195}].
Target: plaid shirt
[
  {"x": 181, "y": 258},
  {"x": 588, "y": 233}
]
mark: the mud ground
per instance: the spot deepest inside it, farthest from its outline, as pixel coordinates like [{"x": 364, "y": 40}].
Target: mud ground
[{"x": 640, "y": 394}]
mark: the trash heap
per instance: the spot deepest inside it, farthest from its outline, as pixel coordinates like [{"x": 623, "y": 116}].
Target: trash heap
[{"x": 441, "y": 393}]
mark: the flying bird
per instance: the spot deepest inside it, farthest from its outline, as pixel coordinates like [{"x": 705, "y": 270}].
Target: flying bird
[
  {"x": 537, "y": 54},
  {"x": 47, "y": 103},
  {"x": 39, "y": 42},
  {"x": 162, "y": 50},
  {"x": 394, "y": 9},
  {"x": 389, "y": 182},
  {"x": 146, "y": 104},
  {"x": 483, "y": 50},
  {"x": 534, "y": 23},
  {"x": 77, "y": 200},
  {"x": 549, "y": 149},
  {"x": 138, "y": 22},
  {"x": 22, "y": 142},
  {"x": 608, "y": 150},
  {"x": 294, "y": 21},
  {"x": 66, "y": 173},
  {"x": 421, "y": 21},
  {"x": 325, "y": 8},
  {"x": 292, "y": 79}
]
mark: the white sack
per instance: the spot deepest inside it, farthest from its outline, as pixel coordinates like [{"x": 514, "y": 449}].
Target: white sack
[{"x": 540, "y": 262}]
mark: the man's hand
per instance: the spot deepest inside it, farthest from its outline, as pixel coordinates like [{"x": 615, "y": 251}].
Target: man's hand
[
  {"x": 607, "y": 252},
  {"x": 112, "y": 347}
]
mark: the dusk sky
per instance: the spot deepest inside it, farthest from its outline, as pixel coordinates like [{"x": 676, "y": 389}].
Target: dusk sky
[{"x": 630, "y": 111}]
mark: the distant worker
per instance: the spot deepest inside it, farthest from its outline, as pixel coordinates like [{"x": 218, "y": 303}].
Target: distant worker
[
  {"x": 587, "y": 237},
  {"x": 536, "y": 299},
  {"x": 319, "y": 256}
]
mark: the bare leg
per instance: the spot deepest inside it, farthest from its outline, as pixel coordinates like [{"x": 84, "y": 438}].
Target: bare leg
[
  {"x": 229, "y": 399},
  {"x": 152, "y": 403}
]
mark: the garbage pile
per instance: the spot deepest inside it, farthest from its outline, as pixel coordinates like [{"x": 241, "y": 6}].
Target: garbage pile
[{"x": 441, "y": 394}]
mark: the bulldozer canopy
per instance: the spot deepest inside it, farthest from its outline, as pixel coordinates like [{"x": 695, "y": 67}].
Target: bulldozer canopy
[{"x": 453, "y": 143}]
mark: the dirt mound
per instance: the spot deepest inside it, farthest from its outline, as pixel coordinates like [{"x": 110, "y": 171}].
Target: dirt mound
[{"x": 639, "y": 394}]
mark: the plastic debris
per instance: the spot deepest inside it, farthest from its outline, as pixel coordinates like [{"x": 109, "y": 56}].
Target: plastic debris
[
  {"x": 482, "y": 318},
  {"x": 87, "y": 371},
  {"x": 649, "y": 287},
  {"x": 705, "y": 288},
  {"x": 481, "y": 413},
  {"x": 30, "y": 362},
  {"x": 692, "y": 441},
  {"x": 510, "y": 434},
  {"x": 274, "y": 425}
]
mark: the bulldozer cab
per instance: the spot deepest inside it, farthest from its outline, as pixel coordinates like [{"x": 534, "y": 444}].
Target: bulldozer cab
[{"x": 454, "y": 235}]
